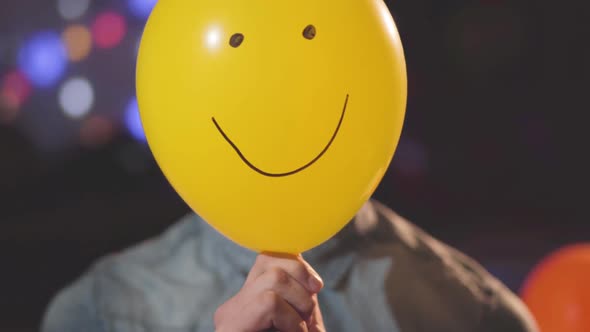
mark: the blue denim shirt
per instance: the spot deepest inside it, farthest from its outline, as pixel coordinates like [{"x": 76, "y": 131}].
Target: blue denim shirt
[{"x": 381, "y": 273}]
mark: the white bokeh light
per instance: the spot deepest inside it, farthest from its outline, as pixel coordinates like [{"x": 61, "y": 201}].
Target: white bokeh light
[
  {"x": 76, "y": 97},
  {"x": 213, "y": 37},
  {"x": 72, "y": 9}
]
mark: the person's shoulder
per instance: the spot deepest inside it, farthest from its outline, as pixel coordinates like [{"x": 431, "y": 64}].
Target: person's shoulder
[
  {"x": 141, "y": 283},
  {"x": 73, "y": 309},
  {"x": 160, "y": 255},
  {"x": 429, "y": 278},
  {"x": 381, "y": 229}
]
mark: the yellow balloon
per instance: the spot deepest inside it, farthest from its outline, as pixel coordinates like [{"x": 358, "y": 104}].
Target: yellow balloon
[{"x": 274, "y": 120}]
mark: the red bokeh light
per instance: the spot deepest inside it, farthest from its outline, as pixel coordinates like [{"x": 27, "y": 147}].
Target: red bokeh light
[
  {"x": 108, "y": 29},
  {"x": 16, "y": 85},
  {"x": 14, "y": 91},
  {"x": 96, "y": 131}
]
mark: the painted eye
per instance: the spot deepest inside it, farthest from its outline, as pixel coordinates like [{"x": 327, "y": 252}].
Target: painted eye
[
  {"x": 236, "y": 40},
  {"x": 309, "y": 32}
]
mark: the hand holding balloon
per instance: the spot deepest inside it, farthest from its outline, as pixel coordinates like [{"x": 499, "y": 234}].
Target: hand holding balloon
[
  {"x": 279, "y": 292},
  {"x": 274, "y": 120}
]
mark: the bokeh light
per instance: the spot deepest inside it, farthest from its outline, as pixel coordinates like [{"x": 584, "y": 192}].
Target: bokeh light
[
  {"x": 72, "y": 9},
  {"x": 8, "y": 105},
  {"x": 141, "y": 8},
  {"x": 108, "y": 29},
  {"x": 43, "y": 58},
  {"x": 76, "y": 97},
  {"x": 133, "y": 120},
  {"x": 78, "y": 42},
  {"x": 8, "y": 112},
  {"x": 96, "y": 131},
  {"x": 15, "y": 88}
]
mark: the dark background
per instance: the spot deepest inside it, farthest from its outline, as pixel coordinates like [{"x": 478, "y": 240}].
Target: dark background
[{"x": 492, "y": 158}]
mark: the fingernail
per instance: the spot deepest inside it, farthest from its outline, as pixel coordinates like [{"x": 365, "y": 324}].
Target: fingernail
[{"x": 315, "y": 283}]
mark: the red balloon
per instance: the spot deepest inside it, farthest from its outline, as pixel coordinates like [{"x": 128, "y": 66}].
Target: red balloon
[{"x": 557, "y": 291}]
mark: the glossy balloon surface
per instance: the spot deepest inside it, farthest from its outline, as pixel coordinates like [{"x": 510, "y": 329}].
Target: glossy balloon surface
[{"x": 274, "y": 120}]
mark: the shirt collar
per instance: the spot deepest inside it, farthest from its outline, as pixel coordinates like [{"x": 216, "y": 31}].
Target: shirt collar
[{"x": 332, "y": 259}]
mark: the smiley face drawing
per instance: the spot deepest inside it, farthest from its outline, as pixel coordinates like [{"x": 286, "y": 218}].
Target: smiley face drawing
[{"x": 274, "y": 120}]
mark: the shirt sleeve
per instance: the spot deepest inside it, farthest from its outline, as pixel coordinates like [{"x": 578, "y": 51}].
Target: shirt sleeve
[
  {"x": 434, "y": 287},
  {"x": 73, "y": 309},
  {"x": 508, "y": 314}
]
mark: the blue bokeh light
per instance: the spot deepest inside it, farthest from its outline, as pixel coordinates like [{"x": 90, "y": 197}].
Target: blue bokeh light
[
  {"x": 133, "y": 120},
  {"x": 43, "y": 59},
  {"x": 141, "y": 8}
]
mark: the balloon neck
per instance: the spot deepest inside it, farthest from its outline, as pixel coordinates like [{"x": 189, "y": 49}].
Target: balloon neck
[{"x": 280, "y": 255}]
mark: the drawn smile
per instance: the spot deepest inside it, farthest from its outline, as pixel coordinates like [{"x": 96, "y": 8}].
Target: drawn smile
[{"x": 247, "y": 162}]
